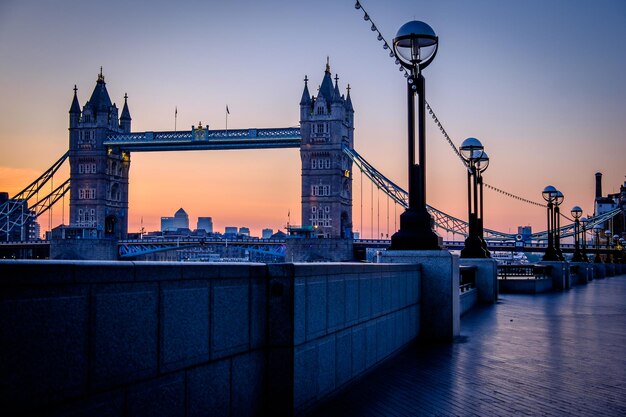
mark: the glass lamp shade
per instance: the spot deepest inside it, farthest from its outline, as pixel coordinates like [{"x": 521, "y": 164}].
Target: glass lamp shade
[
  {"x": 576, "y": 212},
  {"x": 482, "y": 162},
  {"x": 415, "y": 44},
  {"x": 471, "y": 149},
  {"x": 559, "y": 198},
  {"x": 548, "y": 193}
]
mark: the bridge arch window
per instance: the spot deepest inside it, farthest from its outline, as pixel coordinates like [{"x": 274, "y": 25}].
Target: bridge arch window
[
  {"x": 314, "y": 163},
  {"x": 115, "y": 192}
]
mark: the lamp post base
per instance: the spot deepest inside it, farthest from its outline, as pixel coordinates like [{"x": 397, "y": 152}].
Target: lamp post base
[
  {"x": 578, "y": 257},
  {"x": 551, "y": 255},
  {"x": 473, "y": 248},
  {"x": 415, "y": 232}
]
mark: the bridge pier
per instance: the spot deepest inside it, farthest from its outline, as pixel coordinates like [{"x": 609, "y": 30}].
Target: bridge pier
[
  {"x": 319, "y": 250},
  {"x": 81, "y": 244}
]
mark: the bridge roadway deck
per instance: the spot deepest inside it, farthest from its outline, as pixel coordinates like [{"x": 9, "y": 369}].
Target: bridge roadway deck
[{"x": 559, "y": 354}]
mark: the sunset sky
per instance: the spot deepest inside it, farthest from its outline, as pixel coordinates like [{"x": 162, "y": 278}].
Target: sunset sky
[{"x": 540, "y": 83}]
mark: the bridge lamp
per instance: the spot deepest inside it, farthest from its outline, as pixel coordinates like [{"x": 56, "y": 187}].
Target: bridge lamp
[
  {"x": 557, "y": 222},
  {"x": 576, "y": 213},
  {"x": 549, "y": 195},
  {"x": 471, "y": 151},
  {"x": 616, "y": 249},
  {"x": 415, "y": 47},
  {"x": 597, "y": 229},
  {"x": 482, "y": 164},
  {"x": 584, "y": 221},
  {"x": 608, "y": 236}
]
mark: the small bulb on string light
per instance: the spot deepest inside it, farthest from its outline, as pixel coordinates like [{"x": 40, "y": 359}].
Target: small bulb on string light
[
  {"x": 373, "y": 28},
  {"x": 385, "y": 46},
  {"x": 391, "y": 54},
  {"x": 380, "y": 37},
  {"x": 366, "y": 17}
]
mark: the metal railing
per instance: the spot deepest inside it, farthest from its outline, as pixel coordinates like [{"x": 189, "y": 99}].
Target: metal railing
[{"x": 467, "y": 278}]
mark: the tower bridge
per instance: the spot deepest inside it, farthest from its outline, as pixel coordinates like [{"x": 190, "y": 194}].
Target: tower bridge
[{"x": 101, "y": 143}]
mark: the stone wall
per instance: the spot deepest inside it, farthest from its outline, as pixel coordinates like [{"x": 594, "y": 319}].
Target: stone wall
[
  {"x": 342, "y": 319},
  {"x": 468, "y": 300},
  {"x": 138, "y": 338}
]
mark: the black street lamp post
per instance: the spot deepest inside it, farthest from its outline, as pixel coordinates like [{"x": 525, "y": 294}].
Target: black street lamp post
[
  {"x": 472, "y": 152},
  {"x": 596, "y": 229},
  {"x": 584, "y": 221},
  {"x": 549, "y": 194},
  {"x": 576, "y": 213},
  {"x": 557, "y": 224},
  {"x": 609, "y": 254},
  {"x": 482, "y": 164},
  {"x": 415, "y": 46}
]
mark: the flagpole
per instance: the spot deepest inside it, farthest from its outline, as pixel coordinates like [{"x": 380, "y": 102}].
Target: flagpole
[
  {"x": 175, "y": 117},
  {"x": 227, "y": 120}
]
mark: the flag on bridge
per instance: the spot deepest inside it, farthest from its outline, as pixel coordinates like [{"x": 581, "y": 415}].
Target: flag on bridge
[{"x": 227, "y": 111}]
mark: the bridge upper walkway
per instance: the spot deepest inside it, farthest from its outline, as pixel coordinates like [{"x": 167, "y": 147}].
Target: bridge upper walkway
[{"x": 556, "y": 354}]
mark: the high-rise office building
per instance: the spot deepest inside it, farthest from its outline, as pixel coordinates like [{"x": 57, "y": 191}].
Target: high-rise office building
[
  {"x": 181, "y": 219},
  {"x": 206, "y": 224}
]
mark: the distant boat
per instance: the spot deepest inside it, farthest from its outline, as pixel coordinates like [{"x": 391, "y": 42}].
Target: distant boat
[{"x": 510, "y": 258}]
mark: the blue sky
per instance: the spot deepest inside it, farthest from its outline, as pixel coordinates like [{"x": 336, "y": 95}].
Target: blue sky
[{"x": 540, "y": 83}]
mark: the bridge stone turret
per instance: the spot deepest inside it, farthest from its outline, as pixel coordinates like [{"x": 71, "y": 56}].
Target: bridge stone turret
[
  {"x": 327, "y": 125},
  {"x": 98, "y": 174}
]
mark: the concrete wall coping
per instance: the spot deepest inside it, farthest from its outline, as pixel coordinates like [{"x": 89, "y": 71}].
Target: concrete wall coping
[{"x": 55, "y": 272}]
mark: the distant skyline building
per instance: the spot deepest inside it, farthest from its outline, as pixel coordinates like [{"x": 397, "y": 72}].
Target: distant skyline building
[
  {"x": 167, "y": 224},
  {"x": 267, "y": 233},
  {"x": 179, "y": 221},
  {"x": 244, "y": 231},
  {"x": 30, "y": 230},
  {"x": 206, "y": 224},
  {"x": 230, "y": 230}
]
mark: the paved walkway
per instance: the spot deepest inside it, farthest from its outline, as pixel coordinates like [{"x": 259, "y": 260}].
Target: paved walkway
[{"x": 560, "y": 354}]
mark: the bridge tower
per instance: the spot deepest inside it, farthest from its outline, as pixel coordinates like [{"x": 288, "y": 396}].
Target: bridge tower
[
  {"x": 327, "y": 125},
  {"x": 98, "y": 175}
]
